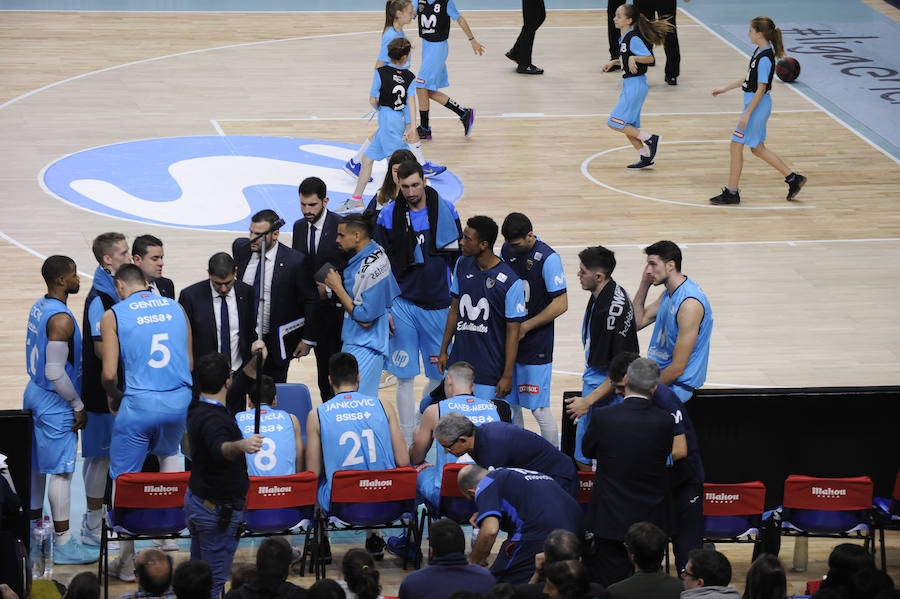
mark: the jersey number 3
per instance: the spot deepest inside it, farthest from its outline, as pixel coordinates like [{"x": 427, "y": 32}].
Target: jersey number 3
[{"x": 353, "y": 457}]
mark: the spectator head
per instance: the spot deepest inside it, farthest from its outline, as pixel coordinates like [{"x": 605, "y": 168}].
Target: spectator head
[
  {"x": 267, "y": 388},
  {"x": 646, "y": 545},
  {"x": 460, "y": 379},
  {"x": 455, "y": 433},
  {"x": 153, "y": 569},
  {"x": 360, "y": 574},
  {"x": 241, "y": 574},
  {"x": 766, "y": 579},
  {"x": 192, "y": 580},
  {"x": 643, "y": 377},
  {"x": 84, "y": 585},
  {"x": 567, "y": 579},
  {"x": 326, "y": 589},
  {"x": 561, "y": 545},
  {"x": 504, "y": 590},
  {"x": 343, "y": 371},
  {"x": 468, "y": 479},
  {"x": 445, "y": 537},
  {"x": 846, "y": 560},
  {"x": 213, "y": 371},
  {"x": 706, "y": 568},
  {"x": 273, "y": 561}
]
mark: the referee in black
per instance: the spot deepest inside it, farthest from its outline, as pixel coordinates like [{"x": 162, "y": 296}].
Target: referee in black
[{"x": 215, "y": 499}]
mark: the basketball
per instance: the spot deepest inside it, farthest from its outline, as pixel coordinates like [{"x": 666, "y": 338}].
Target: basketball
[{"x": 788, "y": 69}]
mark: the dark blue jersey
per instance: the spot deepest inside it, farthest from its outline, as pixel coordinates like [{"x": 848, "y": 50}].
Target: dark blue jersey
[
  {"x": 528, "y": 504},
  {"x": 433, "y": 18},
  {"x": 543, "y": 279},
  {"x": 632, "y": 44},
  {"x": 761, "y": 63},
  {"x": 501, "y": 444},
  {"x": 99, "y": 299}
]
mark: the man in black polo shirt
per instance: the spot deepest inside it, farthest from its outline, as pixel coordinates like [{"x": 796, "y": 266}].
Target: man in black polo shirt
[{"x": 214, "y": 502}]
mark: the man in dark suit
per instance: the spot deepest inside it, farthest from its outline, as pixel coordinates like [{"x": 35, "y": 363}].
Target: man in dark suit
[
  {"x": 631, "y": 442},
  {"x": 286, "y": 289},
  {"x": 147, "y": 254},
  {"x": 230, "y": 331},
  {"x": 315, "y": 237}
]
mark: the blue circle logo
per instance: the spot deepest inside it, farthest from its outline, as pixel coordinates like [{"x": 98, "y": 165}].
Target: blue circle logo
[{"x": 211, "y": 182}]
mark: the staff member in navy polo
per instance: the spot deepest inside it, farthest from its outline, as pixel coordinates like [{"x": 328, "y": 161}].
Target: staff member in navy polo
[
  {"x": 214, "y": 501},
  {"x": 501, "y": 444}
]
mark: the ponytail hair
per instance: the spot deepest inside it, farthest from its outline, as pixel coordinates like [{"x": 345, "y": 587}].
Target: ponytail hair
[
  {"x": 391, "y": 8},
  {"x": 360, "y": 574},
  {"x": 766, "y": 26},
  {"x": 653, "y": 32}
]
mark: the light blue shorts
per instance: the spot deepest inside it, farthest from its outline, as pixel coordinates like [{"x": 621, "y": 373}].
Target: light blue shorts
[
  {"x": 755, "y": 133},
  {"x": 591, "y": 379},
  {"x": 96, "y": 436},
  {"x": 416, "y": 331},
  {"x": 433, "y": 74},
  {"x": 389, "y": 137},
  {"x": 531, "y": 386},
  {"x": 428, "y": 486},
  {"x": 370, "y": 365},
  {"x": 487, "y": 392},
  {"x": 628, "y": 109},
  {"x": 147, "y": 422},
  {"x": 53, "y": 441}
]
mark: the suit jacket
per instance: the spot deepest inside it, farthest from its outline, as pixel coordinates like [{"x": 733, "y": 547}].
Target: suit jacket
[
  {"x": 630, "y": 442},
  {"x": 197, "y": 301},
  {"x": 327, "y": 251},
  {"x": 166, "y": 287},
  {"x": 292, "y": 288}
]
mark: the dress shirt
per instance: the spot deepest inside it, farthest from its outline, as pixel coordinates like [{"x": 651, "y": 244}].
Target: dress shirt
[
  {"x": 250, "y": 274},
  {"x": 319, "y": 225},
  {"x": 234, "y": 323},
  {"x": 154, "y": 288}
]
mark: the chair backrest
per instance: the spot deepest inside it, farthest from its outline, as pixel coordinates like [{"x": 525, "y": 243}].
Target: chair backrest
[
  {"x": 294, "y": 398},
  {"x": 585, "y": 486},
  {"x": 454, "y": 504},
  {"x": 828, "y": 494},
  {"x": 278, "y": 503},
  {"x": 738, "y": 499},
  {"x": 449, "y": 477},
  {"x": 371, "y": 497},
  {"x": 149, "y": 503}
]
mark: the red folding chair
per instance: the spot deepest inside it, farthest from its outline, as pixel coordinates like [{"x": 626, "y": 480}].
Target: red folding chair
[
  {"x": 585, "y": 486},
  {"x": 146, "y": 505},
  {"x": 828, "y": 507},
  {"x": 887, "y": 516},
  {"x": 284, "y": 505},
  {"x": 366, "y": 499},
  {"x": 732, "y": 513}
]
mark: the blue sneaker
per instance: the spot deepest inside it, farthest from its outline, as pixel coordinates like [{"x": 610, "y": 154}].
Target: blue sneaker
[
  {"x": 468, "y": 119},
  {"x": 398, "y": 545},
  {"x": 73, "y": 552},
  {"x": 432, "y": 170},
  {"x": 424, "y": 133},
  {"x": 352, "y": 168}
]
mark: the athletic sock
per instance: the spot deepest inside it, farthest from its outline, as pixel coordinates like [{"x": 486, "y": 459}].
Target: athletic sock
[
  {"x": 452, "y": 105},
  {"x": 423, "y": 118},
  {"x": 94, "y": 518},
  {"x": 362, "y": 149},
  {"x": 731, "y": 189},
  {"x": 644, "y": 152},
  {"x": 62, "y": 537},
  {"x": 643, "y": 136},
  {"x": 416, "y": 149}
]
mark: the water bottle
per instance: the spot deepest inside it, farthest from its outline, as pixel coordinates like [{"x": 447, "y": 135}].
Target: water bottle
[
  {"x": 47, "y": 547},
  {"x": 474, "y": 537},
  {"x": 41, "y": 562}
]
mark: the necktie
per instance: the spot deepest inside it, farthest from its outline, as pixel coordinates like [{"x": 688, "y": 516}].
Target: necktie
[
  {"x": 257, "y": 284},
  {"x": 224, "y": 328},
  {"x": 312, "y": 242}
]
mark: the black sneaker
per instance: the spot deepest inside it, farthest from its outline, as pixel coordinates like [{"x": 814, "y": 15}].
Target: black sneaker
[
  {"x": 468, "y": 119},
  {"x": 375, "y": 546},
  {"x": 795, "y": 183},
  {"x": 644, "y": 162},
  {"x": 653, "y": 144},
  {"x": 726, "y": 198},
  {"x": 672, "y": 80},
  {"x": 512, "y": 57},
  {"x": 423, "y": 132},
  {"x": 529, "y": 70}
]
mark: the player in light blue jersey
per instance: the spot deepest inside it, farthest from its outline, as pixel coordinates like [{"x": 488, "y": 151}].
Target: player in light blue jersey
[
  {"x": 352, "y": 431},
  {"x": 683, "y": 317},
  {"x": 367, "y": 291},
  {"x": 486, "y": 313},
  {"x": 53, "y": 394},
  {"x": 282, "y": 448},
  {"x": 546, "y": 298}
]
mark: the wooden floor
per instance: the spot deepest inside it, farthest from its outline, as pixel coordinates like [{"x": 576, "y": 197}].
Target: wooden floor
[{"x": 798, "y": 290}]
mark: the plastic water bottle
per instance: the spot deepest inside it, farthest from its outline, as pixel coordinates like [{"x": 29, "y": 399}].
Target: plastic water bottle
[
  {"x": 47, "y": 547},
  {"x": 42, "y": 549},
  {"x": 475, "y": 530}
]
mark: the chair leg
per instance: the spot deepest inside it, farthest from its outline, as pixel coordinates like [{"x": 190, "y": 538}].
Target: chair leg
[{"x": 883, "y": 554}]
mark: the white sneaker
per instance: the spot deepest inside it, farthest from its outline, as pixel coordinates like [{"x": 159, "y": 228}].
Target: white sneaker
[
  {"x": 350, "y": 205},
  {"x": 166, "y": 544},
  {"x": 89, "y": 536},
  {"x": 122, "y": 569},
  {"x": 387, "y": 380}
]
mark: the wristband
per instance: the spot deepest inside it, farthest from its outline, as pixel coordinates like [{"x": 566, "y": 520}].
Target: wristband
[{"x": 471, "y": 38}]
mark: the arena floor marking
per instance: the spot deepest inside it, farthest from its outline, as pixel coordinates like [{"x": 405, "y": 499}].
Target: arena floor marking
[
  {"x": 789, "y": 243},
  {"x": 590, "y": 177},
  {"x": 706, "y": 384}
]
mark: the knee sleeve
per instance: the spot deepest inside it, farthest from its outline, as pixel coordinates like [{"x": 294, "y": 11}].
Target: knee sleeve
[
  {"x": 172, "y": 463},
  {"x": 60, "y": 493},
  {"x": 547, "y": 424},
  {"x": 406, "y": 408},
  {"x": 94, "y": 472},
  {"x": 518, "y": 416},
  {"x": 38, "y": 484}
]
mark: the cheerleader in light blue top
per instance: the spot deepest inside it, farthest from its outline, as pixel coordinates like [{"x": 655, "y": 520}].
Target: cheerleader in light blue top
[
  {"x": 751, "y": 127},
  {"x": 636, "y": 32}
]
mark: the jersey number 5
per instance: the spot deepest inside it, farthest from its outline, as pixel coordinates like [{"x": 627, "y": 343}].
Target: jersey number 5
[
  {"x": 354, "y": 458},
  {"x": 157, "y": 346}
]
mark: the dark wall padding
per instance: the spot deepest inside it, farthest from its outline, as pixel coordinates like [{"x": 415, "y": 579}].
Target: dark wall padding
[{"x": 15, "y": 444}]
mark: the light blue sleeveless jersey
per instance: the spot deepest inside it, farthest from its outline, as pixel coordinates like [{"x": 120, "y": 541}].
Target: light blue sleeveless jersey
[
  {"x": 278, "y": 455},
  {"x": 36, "y": 344},
  {"x": 477, "y": 410}
]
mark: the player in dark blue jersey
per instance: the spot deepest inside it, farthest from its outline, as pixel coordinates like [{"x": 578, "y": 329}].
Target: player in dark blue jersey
[
  {"x": 420, "y": 232},
  {"x": 527, "y": 505},
  {"x": 53, "y": 362},
  {"x": 486, "y": 313},
  {"x": 636, "y": 33},
  {"x": 751, "y": 127},
  {"x": 544, "y": 284}
]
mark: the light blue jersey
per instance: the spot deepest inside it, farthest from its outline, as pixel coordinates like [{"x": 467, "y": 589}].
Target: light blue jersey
[
  {"x": 36, "y": 344},
  {"x": 389, "y": 35},
  {"x": 153, "y": 343},
  {"x": 665, "y": 333},
  {"x": 369, "y": 282},
  {"x": 479, "y": 411},
  {"x": 355, "y": 435},
  {"x": 278, "y": 455}
]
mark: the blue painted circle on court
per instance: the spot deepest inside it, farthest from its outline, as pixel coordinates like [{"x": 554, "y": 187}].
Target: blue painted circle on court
[{"x": 210, "y": 182}]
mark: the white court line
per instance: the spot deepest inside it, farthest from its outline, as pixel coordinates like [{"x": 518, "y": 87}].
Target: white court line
[
  {"x": 707, "y": 384},
  {"x": 802, "y": 95},
  {"x": 34, "y": 253},
  {"x": 218, "y": 129},
  {"x": 787, "y": 242},
  {"x": 590, "y": 177}
]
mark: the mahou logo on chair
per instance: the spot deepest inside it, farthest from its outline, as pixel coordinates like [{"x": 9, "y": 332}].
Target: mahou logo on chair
[
  {"x": 375, "y": 484},
  {"x": 722, "y": 497},
  {"x": 160, "y": 490},
  {"x": 274, "y": 491}
]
